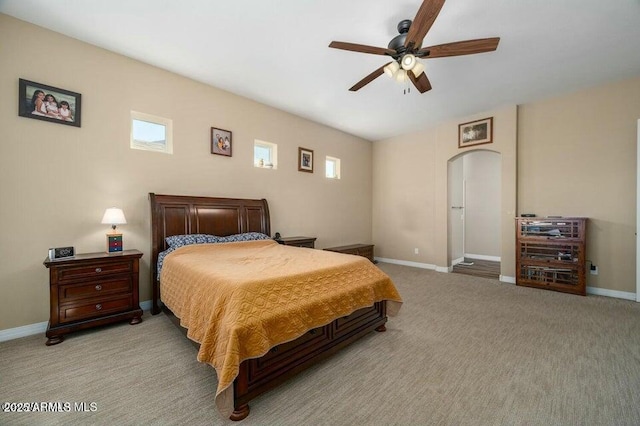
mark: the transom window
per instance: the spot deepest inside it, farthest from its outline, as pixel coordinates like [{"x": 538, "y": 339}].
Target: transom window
[
  {"x": 332, "y": 170},
  {"x": 151, "y": 133},
  {"x": 265, "y": 154}
]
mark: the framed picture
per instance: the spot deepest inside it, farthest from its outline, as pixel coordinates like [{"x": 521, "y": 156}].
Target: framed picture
[
  {"x": 305, "y": 160},
  {"x": 475, "y": 132},
  {"x": 220, "y": 142},
  {"x": 48, "y": 103}
]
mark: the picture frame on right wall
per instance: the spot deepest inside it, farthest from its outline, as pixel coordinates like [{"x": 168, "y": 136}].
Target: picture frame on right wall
[{"x": 477, "y": 132}]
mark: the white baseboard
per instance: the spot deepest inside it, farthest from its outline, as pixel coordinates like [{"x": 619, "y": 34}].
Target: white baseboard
[
  {"x": 611, "y": 293},
  {"x": 456, "y": 261},
  {"x": 408, "y": 263},
  {"x": 483, "y": 257},
  {"x": 41, "y": 327},
  {"x": 590, "y": 290},
  {"x": 25, "y": 330},
  {"x": 146, "y": 305}
]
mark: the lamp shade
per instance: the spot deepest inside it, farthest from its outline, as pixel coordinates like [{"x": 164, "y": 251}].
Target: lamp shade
[
  {"x": 113, "y": 216},
  {"x": 391, "y": 69},
  {"x": 408, "y": 62},
  {"x": 400, "y": 76},
  {"x": 417, "y": 69}
]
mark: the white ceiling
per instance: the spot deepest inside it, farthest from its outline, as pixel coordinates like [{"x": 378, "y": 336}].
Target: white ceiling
[{"x": 275, "y": 51}]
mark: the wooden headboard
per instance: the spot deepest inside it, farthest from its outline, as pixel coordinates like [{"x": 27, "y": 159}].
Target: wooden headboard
[{"x": 181, "y": 215}]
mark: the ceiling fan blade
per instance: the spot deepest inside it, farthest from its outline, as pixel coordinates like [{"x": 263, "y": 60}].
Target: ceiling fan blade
[
  {"x": 422, "y": 83},
  {"x": 361, "y": 48},
  {"x": 423, "y": 21},
  {"x": 458, "y": 48},
  {"x": 368, "y": 79}
]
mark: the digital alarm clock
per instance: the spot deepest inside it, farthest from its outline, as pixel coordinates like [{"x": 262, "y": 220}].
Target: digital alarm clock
[{"x": 61, "y": 253}]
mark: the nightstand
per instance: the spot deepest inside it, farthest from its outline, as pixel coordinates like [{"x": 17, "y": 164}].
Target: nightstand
[
  {"x": 90, "y": 290},
  {"x": 364, "y": 250},
  {"x": 308, "y": 242}
]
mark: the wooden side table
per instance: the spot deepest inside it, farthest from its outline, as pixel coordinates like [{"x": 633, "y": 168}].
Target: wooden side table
[
  {"x": 90, "y": 290},
  {"x": 364, "y": 250},
  {"x": 308, "y": 242}
]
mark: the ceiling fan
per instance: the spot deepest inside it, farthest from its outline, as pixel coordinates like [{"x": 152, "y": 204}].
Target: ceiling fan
[{"x": 406, "y": 48}]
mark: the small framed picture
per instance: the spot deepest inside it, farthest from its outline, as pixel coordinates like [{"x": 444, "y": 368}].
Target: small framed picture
[
  {"x": 48, "y": 103},
  {"x": 221, "y": 142},
  {"x": 305, "y": 160},
  {"x": 475, "y": 132}
]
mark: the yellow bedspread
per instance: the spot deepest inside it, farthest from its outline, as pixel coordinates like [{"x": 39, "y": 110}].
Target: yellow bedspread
[{"x": 240, "y": 299}]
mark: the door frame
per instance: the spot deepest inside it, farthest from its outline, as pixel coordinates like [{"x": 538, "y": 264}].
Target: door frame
[
  {"x": 638, "y": 216},
  {"x": 451, "y": 262}
]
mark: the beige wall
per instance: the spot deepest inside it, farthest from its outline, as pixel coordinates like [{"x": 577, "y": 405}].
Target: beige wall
[
  {"x": 577, "y": 157},
  {"x": 56, "y": 181},
  {"x": 410, "y": 191}
]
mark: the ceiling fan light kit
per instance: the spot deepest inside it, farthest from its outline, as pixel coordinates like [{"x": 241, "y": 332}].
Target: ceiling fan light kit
[
  {"x": 406, "y": 48},
  {"x": 409, "y": 63}
]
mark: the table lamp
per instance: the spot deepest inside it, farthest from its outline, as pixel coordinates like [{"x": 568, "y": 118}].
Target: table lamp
[{"x": 114, "y": 216}]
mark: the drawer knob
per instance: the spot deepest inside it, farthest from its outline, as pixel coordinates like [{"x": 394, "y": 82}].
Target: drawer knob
[
  {"x": 98, "y": 307},
  {"x": 98, "y": 270},
  {"x": 98, "y": 287},
  {"x": 312, "y": 331}
]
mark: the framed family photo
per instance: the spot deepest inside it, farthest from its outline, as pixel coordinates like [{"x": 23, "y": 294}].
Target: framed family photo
[
  {"x": 220, "y": 142},
  {"x": 48, "y": 103},
  {"x": 475, "y": 132},
  {"x": 305, "y": 160}
]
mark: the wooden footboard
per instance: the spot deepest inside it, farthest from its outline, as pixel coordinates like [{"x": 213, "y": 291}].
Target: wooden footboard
[
  {"x": 262, "y": 374},
  {"x": 284, "y": 361}
]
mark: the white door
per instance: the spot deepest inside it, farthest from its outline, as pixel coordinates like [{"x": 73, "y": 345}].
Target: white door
[{"x": 483, "y": 204}]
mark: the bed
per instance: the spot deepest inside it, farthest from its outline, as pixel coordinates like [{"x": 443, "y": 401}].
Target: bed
[{"x": 258, "y": 368}]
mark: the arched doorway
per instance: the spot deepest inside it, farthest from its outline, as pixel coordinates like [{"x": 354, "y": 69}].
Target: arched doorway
[{"x": 474, "y": 225}]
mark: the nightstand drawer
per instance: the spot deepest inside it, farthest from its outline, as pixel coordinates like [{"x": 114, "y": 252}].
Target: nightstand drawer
[
  {"x": 91, "y": 271},
  {"x": 308, "y": 242},
  {"x": 364, "y": 250},
  {"x": 97, "y": 307},
  {"x": 116, "y": 285}
]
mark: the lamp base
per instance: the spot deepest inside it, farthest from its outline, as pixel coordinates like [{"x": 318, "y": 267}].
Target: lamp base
[{"x": 114, "y": 243}]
